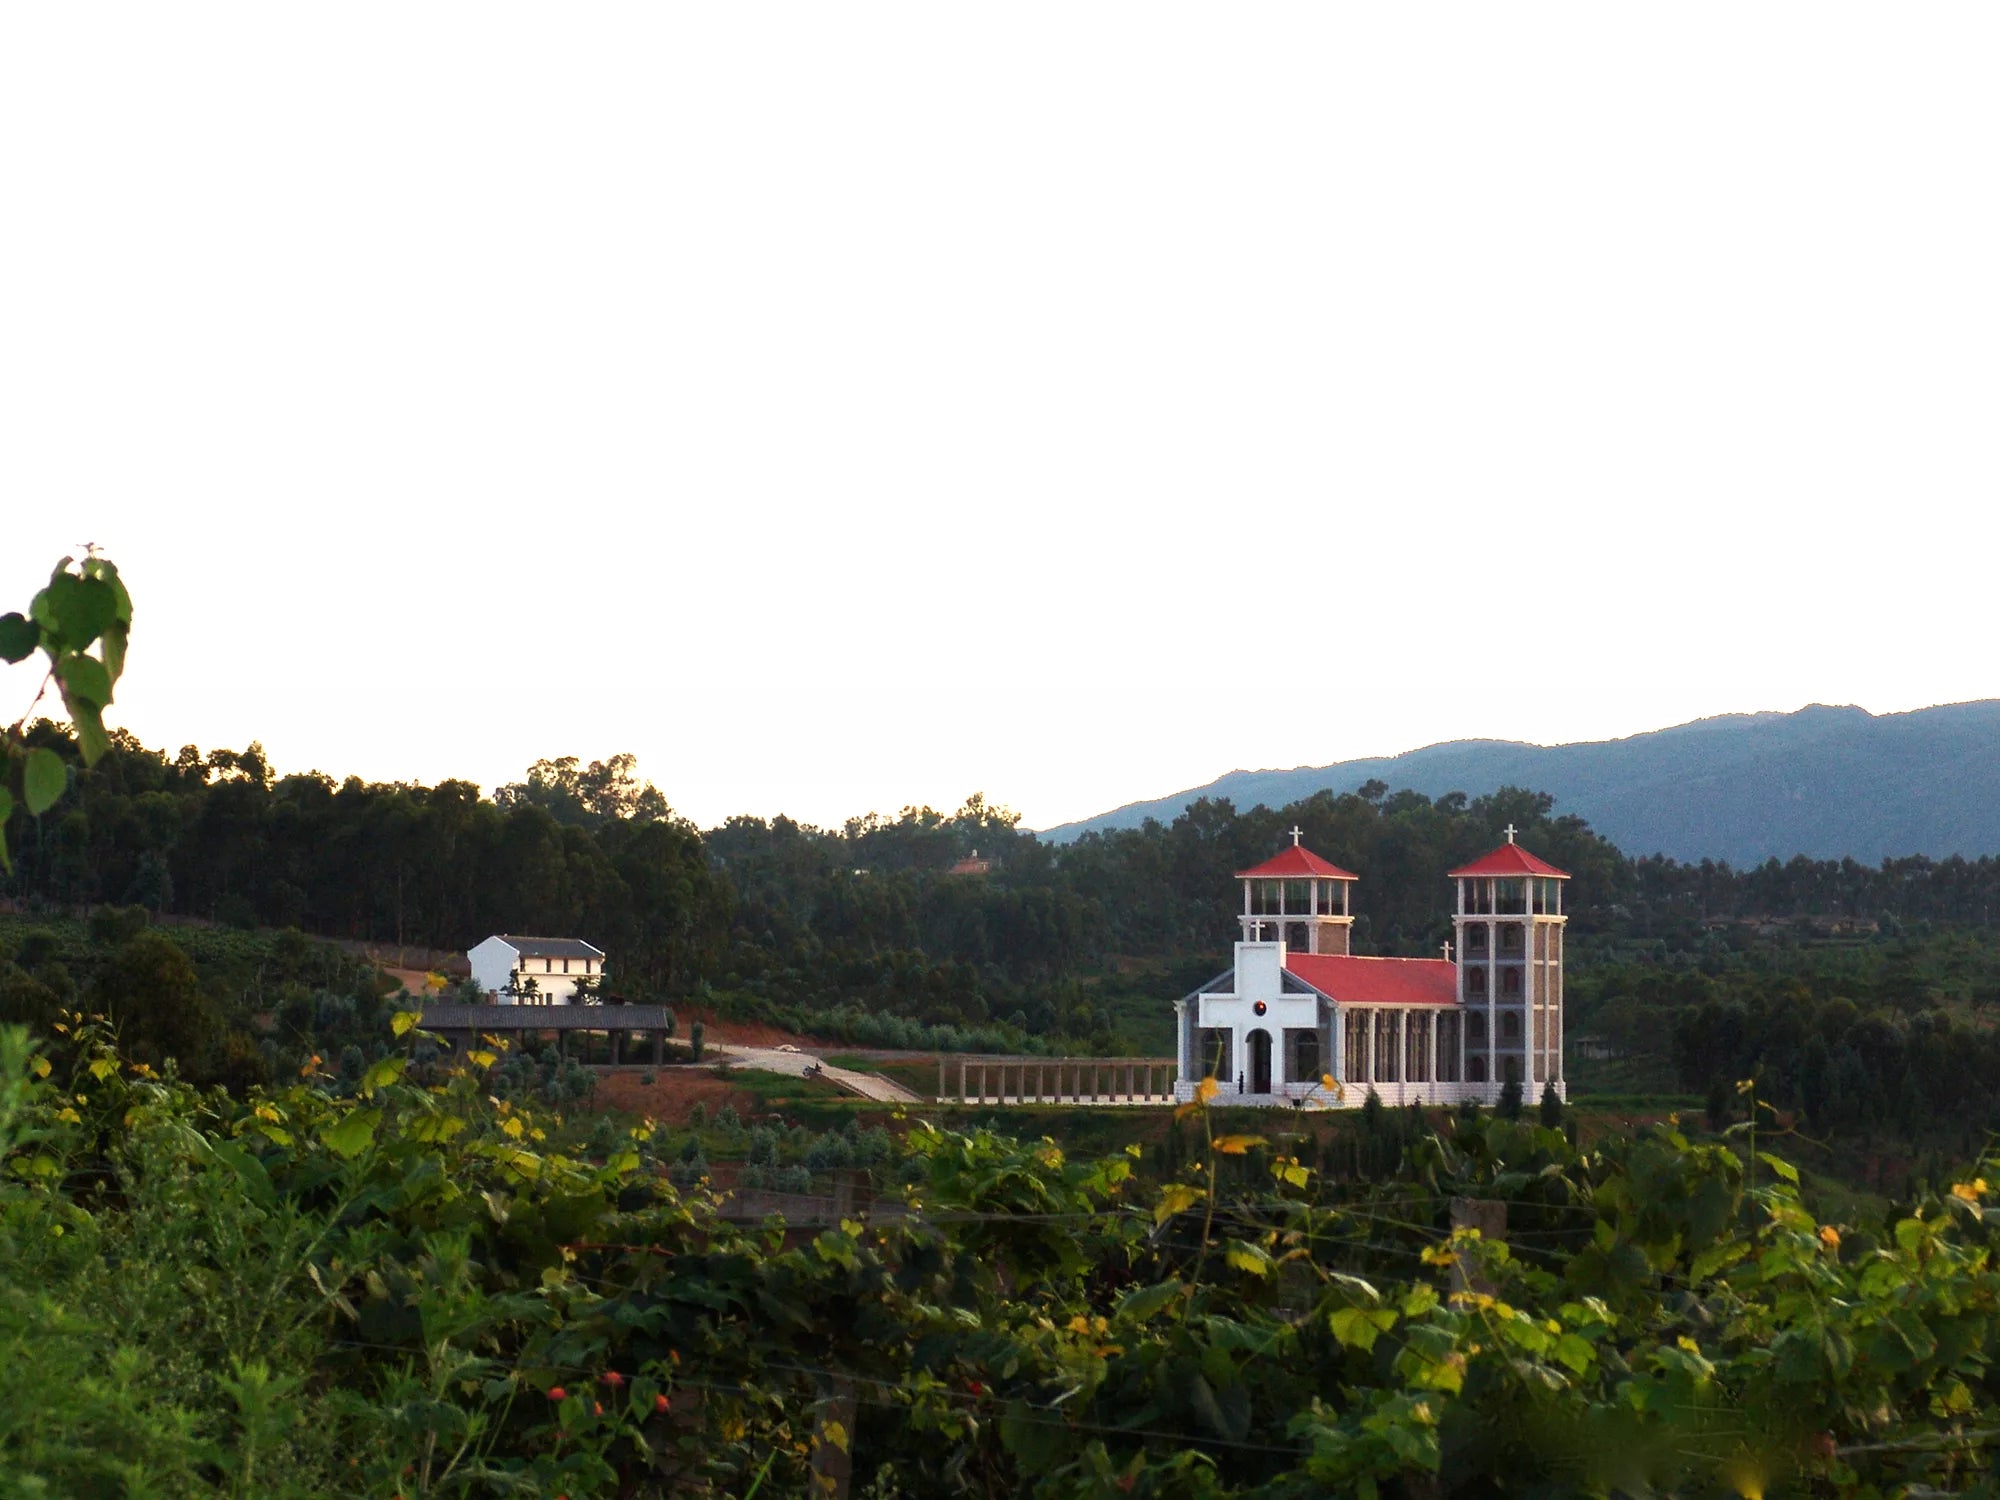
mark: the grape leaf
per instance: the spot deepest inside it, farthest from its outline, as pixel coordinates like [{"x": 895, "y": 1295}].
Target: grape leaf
[
  {"x": 43, "y": 779},
  {"x": 18, "y": 637}
]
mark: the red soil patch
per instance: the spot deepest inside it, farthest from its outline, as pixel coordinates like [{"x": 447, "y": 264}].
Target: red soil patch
[
  {"x": 673, "y": 1093},
  {"x": 742, "y": 1033}
]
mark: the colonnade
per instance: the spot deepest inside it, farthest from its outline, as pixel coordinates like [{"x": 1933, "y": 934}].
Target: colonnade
[{"x": 1060, "y": 1080}]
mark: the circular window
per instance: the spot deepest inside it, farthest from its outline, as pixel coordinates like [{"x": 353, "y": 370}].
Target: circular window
[{"x": 1260, "y": 1007}]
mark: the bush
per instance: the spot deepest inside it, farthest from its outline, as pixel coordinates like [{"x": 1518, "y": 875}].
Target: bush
[
  {"x": 1510, "y": 1099},
  {"x": 1551, "y": 1108},
  {"x": 695, "y": 1039},
  {"x": 648, "y": 1078}
]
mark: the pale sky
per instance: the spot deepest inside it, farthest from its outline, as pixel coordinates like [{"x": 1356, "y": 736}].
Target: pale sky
[{"x": 842, "y": 406}]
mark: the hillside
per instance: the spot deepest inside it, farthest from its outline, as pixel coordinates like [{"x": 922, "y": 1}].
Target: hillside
[{"x": 1824, "y": 782}]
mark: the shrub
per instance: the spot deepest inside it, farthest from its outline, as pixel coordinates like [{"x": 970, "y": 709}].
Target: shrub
[
  {"x": 1551, "y": 1108},
  {"x": 1510, "y": 1099}
]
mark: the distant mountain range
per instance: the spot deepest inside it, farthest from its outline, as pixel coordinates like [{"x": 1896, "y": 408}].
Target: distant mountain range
[{"x": 1823, "y": 782}]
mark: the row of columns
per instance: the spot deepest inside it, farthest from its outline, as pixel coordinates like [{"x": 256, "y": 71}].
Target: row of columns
[
  {"x": 1061, "y": 1081},
  {"x": 466, "y": 1040}
]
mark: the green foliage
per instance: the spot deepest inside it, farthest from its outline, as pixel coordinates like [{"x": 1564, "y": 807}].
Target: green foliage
[
  {"x": 1550, "y": 1109},
  {"x": 1509, "y": 1105},
  {"x": 83, "y": 609}
]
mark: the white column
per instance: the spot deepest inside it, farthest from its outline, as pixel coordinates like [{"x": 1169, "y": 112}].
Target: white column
[{"x": 1183, "y": 1047}]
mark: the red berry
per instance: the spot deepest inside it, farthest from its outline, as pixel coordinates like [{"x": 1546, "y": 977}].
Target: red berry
[
  {"x": 557, "y": 1393},
  {"x": 596, "y": 1409},
  {"x": 661, "y": 1403},
  {"x": 612, "y": 1377}
]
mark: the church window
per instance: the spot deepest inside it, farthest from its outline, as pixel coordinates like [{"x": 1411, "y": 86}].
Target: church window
[
  {"x": 1417, "y": 1048},
  {"x": 1475, "y": 1028},
  {"x": 1448, "y": 1024},
  {"x": 1301, "y": 1054},
  {"x": 1475, "y": 982},
  {"x": 1385, "y": 1047},
  {"x": 1357, "y": 1046},
  {"x": 1475, "y": 1068},
  {"x": 1510, "y": 1026},
  {"x": 1510, "y": 937},
  {"x": 1510, "y": 982},
  {"x": 1475, "y": 938}
]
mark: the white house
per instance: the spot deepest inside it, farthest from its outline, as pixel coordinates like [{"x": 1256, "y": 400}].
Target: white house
[
  {"x": 502, "y": 965},
  {"x": 1297, "y": 1008}
]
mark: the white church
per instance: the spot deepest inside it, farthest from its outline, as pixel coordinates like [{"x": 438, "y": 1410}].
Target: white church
[{"x": 1299, "y": 1008}]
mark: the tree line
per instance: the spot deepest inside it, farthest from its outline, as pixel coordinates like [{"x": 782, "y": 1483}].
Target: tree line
[{"x": 867, "y": 914}]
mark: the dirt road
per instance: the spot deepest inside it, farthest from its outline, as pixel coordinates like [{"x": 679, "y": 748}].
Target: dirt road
[{"x": 772, "y": 1060}]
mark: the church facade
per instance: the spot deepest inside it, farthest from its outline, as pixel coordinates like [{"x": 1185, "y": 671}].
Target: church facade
[{"x": 1299, "y": 1009}]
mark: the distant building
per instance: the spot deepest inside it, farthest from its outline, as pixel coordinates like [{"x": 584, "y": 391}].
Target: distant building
[
  {"x": 972, "y": 864},
  {"x": 502, "y": 965},
  {"x": 1297, "y": 1008}
]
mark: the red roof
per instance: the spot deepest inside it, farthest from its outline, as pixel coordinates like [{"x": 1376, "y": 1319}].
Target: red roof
[
  {"x": 1509, "y": 859},
  {"x": 1377, "y": 981},
  {"x": 1296, "y": 863}
]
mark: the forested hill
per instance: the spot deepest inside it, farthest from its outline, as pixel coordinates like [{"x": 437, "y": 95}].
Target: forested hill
[{"x": 1828, "y": 783}]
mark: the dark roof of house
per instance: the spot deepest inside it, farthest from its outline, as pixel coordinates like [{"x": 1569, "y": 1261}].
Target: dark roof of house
[{"x": 539, "y": 947}]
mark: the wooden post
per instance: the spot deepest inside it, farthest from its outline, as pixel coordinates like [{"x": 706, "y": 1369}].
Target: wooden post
[
  {"x": 940, "y": 1092},
  {"x": 961, "y": 1080},
  {"x": 1130, "y": 1072},
  {"x": 833, "y": 1438}
]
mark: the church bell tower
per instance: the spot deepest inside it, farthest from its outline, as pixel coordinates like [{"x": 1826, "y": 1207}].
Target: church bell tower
[
  {"x": 1298, "y": 899},
  {"x": 1510, "y": 950}
]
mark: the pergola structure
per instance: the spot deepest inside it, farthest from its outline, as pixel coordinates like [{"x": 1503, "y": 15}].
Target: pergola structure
[{"x": 463, "y": 1024}]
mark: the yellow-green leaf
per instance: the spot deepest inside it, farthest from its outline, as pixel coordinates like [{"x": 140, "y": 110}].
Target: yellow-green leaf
[
  {"x": 1176, "y": 1197},
  {"x": 350, "y": 1135},
  {"x": 1249, "y": 1258},
  {"x": 384, "y": 1073},
  {"x": 1236, "y": 1145},
  {"x": 1359, "y": 1327},
  {"x": 403, "y": 1021}
]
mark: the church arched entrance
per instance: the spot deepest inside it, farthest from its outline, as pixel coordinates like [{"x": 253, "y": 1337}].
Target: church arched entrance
[{"x": 1260, "y": 1062}]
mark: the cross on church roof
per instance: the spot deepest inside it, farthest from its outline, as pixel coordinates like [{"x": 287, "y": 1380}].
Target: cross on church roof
[
  {"x": 1297, "y": 834},
  {"x": 1508, "y": 830}
]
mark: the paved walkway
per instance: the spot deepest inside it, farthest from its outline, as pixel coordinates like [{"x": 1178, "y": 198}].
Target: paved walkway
[{"x": 771, "y": 1060}]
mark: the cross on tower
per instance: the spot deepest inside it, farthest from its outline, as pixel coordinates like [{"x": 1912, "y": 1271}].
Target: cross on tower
[
  {"x": 1508, "y": 830},
  {"x": 1297, "y": 834}
]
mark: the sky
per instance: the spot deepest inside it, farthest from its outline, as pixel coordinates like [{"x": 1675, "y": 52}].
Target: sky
[{"x": 844, "y": 407}]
